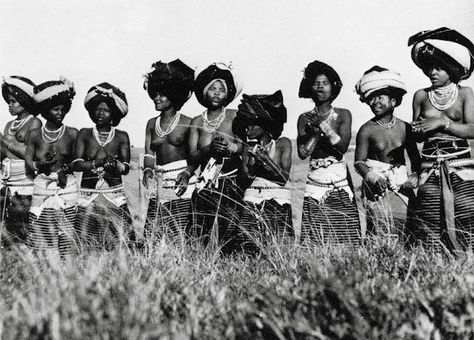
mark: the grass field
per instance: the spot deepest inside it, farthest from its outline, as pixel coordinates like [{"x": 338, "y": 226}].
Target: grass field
[{"x": 378, "y": 290}]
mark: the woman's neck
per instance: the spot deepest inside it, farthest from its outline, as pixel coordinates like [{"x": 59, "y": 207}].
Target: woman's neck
[
  {"x": 53, "y": 126},
  {"x": 22, "y": 115},
  {"x": 213, "y": 112},
  {"x": 323, "y": 107},
  {"x": 386, "y": 118},
  {"x": 104, "y": 128},
  {"x": 168, "y": 113}
]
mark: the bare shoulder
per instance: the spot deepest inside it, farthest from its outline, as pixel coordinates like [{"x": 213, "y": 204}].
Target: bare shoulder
[
  {"x": 283, "y": 142},
  {"x": 35, "y": 123},
  {"x": 343, "y": 113},
  {"x": 35, "y": 133},
  {"x": 366, "y": 129},
  {"x": 196, "y": 121},
  {"x": 121, "y": 134},
  {"x": 151, "y": 122},
  {"x": 185, "y": 120},
  {"x": 421, "y": 94},
  {"x": 71, "y": 131},
  {"x": 465, "y": 91},
  {"x": 85, "y": 132},
  {"x": 230, "y": 113}
]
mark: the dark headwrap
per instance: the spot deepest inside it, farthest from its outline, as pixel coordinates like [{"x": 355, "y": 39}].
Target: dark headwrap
[
  {"x": 53, "y": 93},
  {"x": 110, "y": 95},
  {"x": 445, "y": 47},
  {"x": 22, "y": 89},
  {"x": 216, "y": 71},
  {"x": 175, "y": 80},
  {"x": 379, "y": 80},
  {"x": 264, "y": 110},
  {"x": 315, "y": 69}
]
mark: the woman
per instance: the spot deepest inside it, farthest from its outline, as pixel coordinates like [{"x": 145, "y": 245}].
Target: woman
[
  {"x": 380, "y": 153},
  {"x": 17, "y": 188},
  {"x": 329, "y": 209},
  {"x": 266, "y": 163},
  {"x": 169, "y": 86},
  {"x": 49, "y": 153},
  {"x": 443, "y": 116},
  {"x": 102, "y": 154},
  {"x": 214, "y": 147}
]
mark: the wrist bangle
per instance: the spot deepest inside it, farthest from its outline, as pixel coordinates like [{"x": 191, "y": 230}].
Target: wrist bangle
[
  {"x": 34, "y": 166},
  {"x": 448, "y": 124},
  {"x": 93, "y": 164},
  {"x": 148, "y": 155},
  {"x": 9, "y": 146},
  {"x": 188, "y": 172},
  {"x": 147, "y": 168}
]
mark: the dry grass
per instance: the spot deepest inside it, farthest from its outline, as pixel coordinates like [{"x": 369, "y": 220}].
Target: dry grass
[{"x": 378, "y": 290}]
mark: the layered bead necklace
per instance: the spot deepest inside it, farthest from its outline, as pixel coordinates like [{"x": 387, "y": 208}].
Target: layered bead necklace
[
  {"x": 100, "y": 136},
  {"x": 18, "y": 124},
  {"x": 444, "y": 97},
  {"x": 212, "y": 125},
  {"x": 388, "y": 125},
  {"x": 46, "y": 134},
  {"x": 163, "y": 133}
]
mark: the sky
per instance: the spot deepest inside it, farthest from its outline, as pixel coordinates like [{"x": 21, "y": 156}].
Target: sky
[{"x": 268, "y": 42}]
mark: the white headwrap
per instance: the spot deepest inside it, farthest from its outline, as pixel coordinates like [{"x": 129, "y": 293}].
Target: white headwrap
[{"x": 378, "y": 80}]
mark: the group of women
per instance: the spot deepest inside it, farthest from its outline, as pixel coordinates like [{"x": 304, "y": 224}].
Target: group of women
[{"x": 222, "y": 175}]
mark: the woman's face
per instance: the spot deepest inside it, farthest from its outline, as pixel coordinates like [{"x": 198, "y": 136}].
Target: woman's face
[
  {"x": 381, "y": 104},
  {"x": 162, "y": 103},
  {"x": 216, "y": 94},
  {"x": 438, "y": 76},
  {"x": 56, "y": 114},
  {"x": 255, "y": 131},
  {"x": 14, "y": 106},
  {"x": 102, "y": 115},
  {"x": 322, "y": 89}
]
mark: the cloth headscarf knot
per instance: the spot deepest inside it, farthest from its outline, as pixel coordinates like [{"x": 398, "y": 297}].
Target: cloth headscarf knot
[
  {"x": 217, "y": 71},
  {"x": 265, "y": 110},
  {"x": 22, "y": 89},
  {"x": 445, "y": 47},
  {"x": 378, "y": 79},
  {"x": 54, "y": 92},
  {"x": 112, "y": 96},
  {"x": 175, "y": 80}
]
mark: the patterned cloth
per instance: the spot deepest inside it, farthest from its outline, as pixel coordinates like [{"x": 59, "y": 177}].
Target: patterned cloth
[
  {"x": 443, "y": 212},
  {"x": 102, "y": 217},
  {"x": 172, "y": 215},
  {"x": 52, "y": 214},
  {"x": 329, "y": 209},
  {"x": 386, "y": 213},
  {"x": 218, "y": 212},
  {"x": 16, "y": 190}
]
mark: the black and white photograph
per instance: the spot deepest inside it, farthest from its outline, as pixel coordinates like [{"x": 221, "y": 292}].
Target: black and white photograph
[{"x": 237, "y": 169}]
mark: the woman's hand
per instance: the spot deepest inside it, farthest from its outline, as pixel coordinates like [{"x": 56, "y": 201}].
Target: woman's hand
[
  {"x": 182, "y": 182},
  {"x": 425, "y": 125},
  {"x": 147, "y": 176}
]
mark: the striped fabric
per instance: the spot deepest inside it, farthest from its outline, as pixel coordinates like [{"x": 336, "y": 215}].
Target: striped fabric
[
  {"x": 387, "y": 215},
  {"x": 221, "y": 205},
  {"x": 264, "y": 223},
  {"x": 335, "y": 221},
  {"x": 53, "y": 230},
  {"x": 168, "y": 219},
  {"x": 15, "y": 213},
  {"x": 427, "y": 225},
  {"x": 102, "y": 225}
]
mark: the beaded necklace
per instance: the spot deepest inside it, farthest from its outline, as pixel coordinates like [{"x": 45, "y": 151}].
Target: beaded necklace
[
  {"x": 18, "y": 124},
  {"x": 110, "y": 136},
  {"x": 444, "y": 97},
  {"x": 389, "y": 125},
  {"x": 212, "y": 125},
  {"x": 159, "y": 131},
  {"x": 59, "y": 133}
]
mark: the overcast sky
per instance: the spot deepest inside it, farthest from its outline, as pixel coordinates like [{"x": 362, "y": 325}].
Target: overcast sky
[{"x": 268, "y": 42}]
